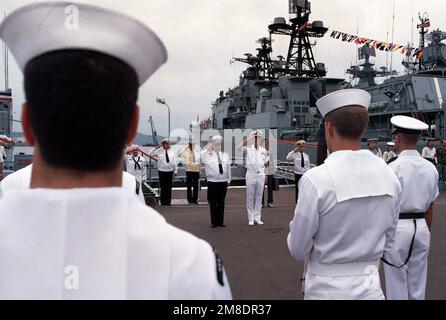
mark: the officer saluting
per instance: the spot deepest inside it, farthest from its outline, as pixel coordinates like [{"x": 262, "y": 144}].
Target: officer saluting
[
  {"x": 301, "y": 162},
  {"x": 217, "y": 165},
  {"x": 406, "y": 265},
  {"x": 136, "y": 166},
  {"x": 86, "y": 236},
  {"x": 342, "y": 226},
  {"x": 256, "y": 158}
]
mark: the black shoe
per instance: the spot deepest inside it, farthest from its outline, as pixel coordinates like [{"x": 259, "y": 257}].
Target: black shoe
[
  {"x": 212, "y": 226},
  {"x": 222, "y": 226}
]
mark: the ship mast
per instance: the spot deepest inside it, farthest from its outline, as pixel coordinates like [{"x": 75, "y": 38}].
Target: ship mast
[
  {"x": 423, "y": 26},
  {"x": 6, "y": 62},
  {"x": 300, "y": 59}
]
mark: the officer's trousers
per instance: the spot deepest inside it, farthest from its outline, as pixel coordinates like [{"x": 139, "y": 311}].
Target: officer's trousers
[
  {"x": 409, "y": 282},
  {"x": 216, "y": 197},
  {"x": 255, "y": 184},
  {"x": 166, "y": 181}
]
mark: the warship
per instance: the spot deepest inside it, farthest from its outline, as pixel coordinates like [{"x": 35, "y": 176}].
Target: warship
[{"x": 281, "y": 93}]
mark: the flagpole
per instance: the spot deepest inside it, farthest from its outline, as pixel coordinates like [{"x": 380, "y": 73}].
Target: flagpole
[{"x": 393, "y": 35}]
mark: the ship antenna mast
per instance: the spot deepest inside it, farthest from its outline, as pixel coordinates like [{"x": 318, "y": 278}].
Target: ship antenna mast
[
  {"x": 300, "y": 59},
  {"x": 6, "y": 61},
  {"x": 423, "y": 26},
  {"x": 393, "y": 35}
]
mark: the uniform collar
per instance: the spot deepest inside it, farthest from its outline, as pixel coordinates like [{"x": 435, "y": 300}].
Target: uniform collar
[
  {"x": 410, "y": 153},
  {"x": 340, "y": 153}
]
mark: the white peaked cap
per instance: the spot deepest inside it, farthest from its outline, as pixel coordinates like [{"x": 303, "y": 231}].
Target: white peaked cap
[
  {"x": 40, "y": 28},
  {"x": 408, "y": 125},
  {"x": 343, "y": 98},
  {"x": 259, "y": 133}
]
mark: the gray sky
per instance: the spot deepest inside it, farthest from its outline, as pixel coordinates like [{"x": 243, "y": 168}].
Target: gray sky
[{"x": 201, "y": 36}]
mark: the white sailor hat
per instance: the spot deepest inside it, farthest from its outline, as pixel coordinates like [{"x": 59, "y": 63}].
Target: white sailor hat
[
  {"x": 132, "y": 148},
  {"x": 40, "y": 28},
  {"x": 301, "y": 143},
  {"x": 216, "y": 139},
  {"x": 409, "y": 125},
  {"x": 343, "y": 98},
  {"x": 165, "y": 140},
  {"x": 391, "y": 144}
]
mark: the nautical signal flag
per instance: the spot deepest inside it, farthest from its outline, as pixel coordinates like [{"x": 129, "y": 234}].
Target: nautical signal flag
[{"x": 379, "y": 45}]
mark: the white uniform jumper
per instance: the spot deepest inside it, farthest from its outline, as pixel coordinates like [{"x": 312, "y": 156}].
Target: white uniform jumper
[
  {"x": 136, "y": 166},
  {"x": 389, "y": 155},
  {"x": 419, "y": 180},
  {"x": 100, "y": 244},
  {"x": 342, "y": 226},
  {"x": 255, "y": 181},
  {"x": 21, "y": 180}
]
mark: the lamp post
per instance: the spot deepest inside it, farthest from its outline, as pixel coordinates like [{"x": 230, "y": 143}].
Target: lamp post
[{"x": 163, "y": 102}]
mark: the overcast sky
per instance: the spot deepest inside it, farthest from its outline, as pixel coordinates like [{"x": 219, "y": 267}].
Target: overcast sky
[{"x": 202, "y": 36}]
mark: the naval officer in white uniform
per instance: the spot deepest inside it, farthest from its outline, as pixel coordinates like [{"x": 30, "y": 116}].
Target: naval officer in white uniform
[
  {"x": 256, "y": 158},
  {"x": 301, "y": 162},
  {"x": 217, "y": 165},
  {"x": 77, "y": 234},
  {"x": 167, "y": 169},
  {"x": 406, "y": 265},
  {"x": 342, "y": 226}
]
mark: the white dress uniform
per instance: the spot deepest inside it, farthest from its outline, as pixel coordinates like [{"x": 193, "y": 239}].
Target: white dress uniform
[
  {"x": 342, "y": 226},
  {"x": 95, "y": 243},
  {"x": 296, "y": 157},
  {"x": 389, "y": 155},
  {"x": 211, "y": 166},
  {"x": 430, "y": 154},
  {"x": 419, "y": 179},
  {"x": 163, "y": 164},
  {"x": 377, "y": 152},
  {"x": 2, "y": 154},
  {"x": 21, "y": 180},
  {"x": 255, "y": 181},
  {"x": 136, "y": 166},
  {"x": 100, "y": 244}
]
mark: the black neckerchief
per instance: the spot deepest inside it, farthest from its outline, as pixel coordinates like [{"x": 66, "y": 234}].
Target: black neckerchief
[{"x": 137, "y": 165}]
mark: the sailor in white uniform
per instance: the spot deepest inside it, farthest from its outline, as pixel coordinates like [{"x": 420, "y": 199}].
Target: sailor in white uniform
[
  {"x": 390, "y": 153},
  {"x": 372, "y": 144},
  {"x": 21, "y": 180},
  {"x": 406, "y": 265},
  {"x": 136, "y": 166},
  {"x": 2, "y": 160},
  {"x": 342, "y": 226},
  {"x": 77, "y": 234},
  {"x": 256, "y": 158}
]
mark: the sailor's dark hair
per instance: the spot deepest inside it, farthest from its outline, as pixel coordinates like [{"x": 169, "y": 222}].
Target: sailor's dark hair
[
  {"x": 350, "y": 122},
  {"x": 80, "y": 104}
]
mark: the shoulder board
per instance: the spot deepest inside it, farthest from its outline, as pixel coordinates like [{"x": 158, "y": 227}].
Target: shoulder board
[
  {"x": 219, "y": 264},
  {"x": 392, "y": 160}
]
